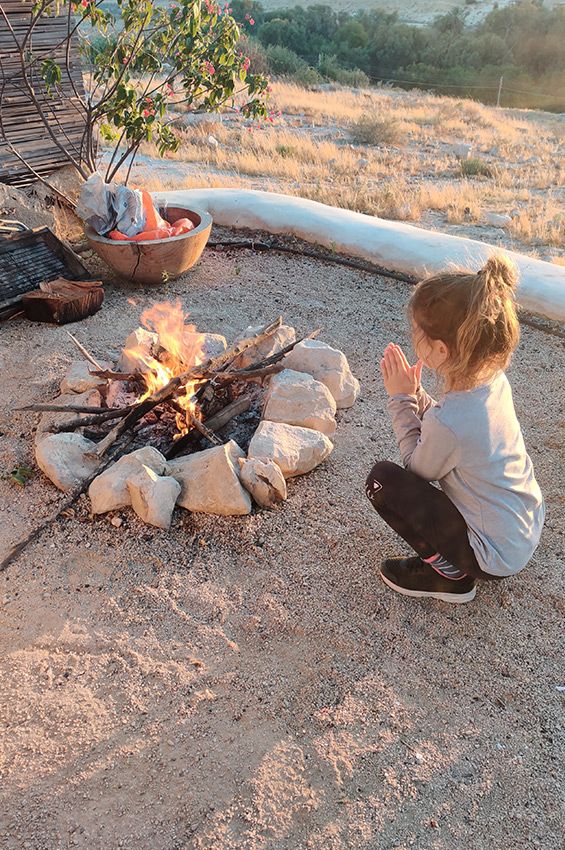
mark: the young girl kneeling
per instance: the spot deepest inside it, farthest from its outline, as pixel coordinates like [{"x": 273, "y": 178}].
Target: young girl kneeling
[{"x": 486, "y": 520}]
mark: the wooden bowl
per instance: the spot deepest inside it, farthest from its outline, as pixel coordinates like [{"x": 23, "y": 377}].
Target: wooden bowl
[{"x": 158, "y": 260}]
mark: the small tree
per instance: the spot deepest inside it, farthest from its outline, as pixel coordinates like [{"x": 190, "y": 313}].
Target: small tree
[{"x": 141, "y": 61}]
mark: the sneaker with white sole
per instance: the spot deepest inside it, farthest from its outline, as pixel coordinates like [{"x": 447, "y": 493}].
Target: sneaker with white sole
[{"x": 413, "y": 577}]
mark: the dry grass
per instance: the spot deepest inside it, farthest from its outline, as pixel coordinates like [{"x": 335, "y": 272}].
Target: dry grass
[
  {"x": 392, "y": 154},
  {"x": 543, "y": 223},
  {"x": 460, "y": 201}
]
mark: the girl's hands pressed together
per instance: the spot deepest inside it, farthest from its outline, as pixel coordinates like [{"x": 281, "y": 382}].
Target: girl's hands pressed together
[{"x": 398, "y": 375}]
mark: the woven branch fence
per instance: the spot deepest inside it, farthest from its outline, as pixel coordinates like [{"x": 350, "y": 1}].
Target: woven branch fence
[{"x": 20, "y": 118}]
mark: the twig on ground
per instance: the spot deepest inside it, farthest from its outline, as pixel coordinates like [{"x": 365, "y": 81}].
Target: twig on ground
[
  {"x": 83, "y": 421},
  {"x": 73, "y": 408},
  {"x": 109, "y": 375},
  {"x": 19, "y": 547},
  {"x": 85, "y": 353}
]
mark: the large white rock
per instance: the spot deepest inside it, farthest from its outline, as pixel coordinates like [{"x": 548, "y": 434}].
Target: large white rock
[
  {"x": 328, "y": 365},
  {"x": 263, "y": 479},
  {"x": 90, "y": 398},
  {"x": 497, "y": 219},
  {"x": 299, "y": 399},
  {"x": 210, "y": 481},
  {"x": 295, "y": 450},
  {"x": 203, "y": 346},
  {"x": 153, "y": 497},
  {"x": 67, "y": 459},
  {"x": 282, "y": 337},
  {"x": 79, "y": 378},
  {"x": 109, "y": 490},
  {"x": 140, "y": 344}
]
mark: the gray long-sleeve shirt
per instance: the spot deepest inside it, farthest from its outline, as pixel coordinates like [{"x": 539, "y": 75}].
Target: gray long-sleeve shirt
[{"x": 471, "y": 443}]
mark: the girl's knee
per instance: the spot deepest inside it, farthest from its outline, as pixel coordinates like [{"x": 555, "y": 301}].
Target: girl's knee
[{"x": 379, "y": 476}]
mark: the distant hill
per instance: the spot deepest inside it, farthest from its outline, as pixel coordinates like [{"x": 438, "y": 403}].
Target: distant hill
[{"x": 410, "y": 11}]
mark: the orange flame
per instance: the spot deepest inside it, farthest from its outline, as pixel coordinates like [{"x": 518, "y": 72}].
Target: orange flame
[{"x": 180, "y": 349}]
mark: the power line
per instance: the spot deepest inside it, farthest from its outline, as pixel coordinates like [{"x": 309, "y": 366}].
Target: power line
[
  {"x": 375, "y": 78},
  {"x": 485, "y": 87}
]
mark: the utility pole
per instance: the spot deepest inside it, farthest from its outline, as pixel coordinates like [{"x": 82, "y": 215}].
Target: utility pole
[{"x": 499, "y": 91}]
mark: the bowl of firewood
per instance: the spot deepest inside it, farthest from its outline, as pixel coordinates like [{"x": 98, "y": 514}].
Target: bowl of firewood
[{"x": 156, "y": 260}]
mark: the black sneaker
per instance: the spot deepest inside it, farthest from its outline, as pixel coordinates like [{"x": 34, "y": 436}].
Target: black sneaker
[{"x": 412, "y": 577}]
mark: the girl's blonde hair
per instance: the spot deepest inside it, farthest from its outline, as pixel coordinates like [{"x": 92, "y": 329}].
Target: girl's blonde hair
[{"x": 474, "y": 314}]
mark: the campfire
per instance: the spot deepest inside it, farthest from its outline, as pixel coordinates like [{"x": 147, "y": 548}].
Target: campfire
[{"x": 184, "y": 419}]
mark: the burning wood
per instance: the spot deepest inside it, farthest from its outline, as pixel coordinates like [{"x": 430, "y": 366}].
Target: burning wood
[{"x": 174, "y": 392}]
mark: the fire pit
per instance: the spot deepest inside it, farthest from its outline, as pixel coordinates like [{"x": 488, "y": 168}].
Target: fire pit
[
  {"x": 158, "y": 260},
  {"x": 183, "y": 419}
]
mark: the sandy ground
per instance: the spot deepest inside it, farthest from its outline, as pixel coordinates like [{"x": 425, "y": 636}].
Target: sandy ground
[{"x": 249, "y": 683}]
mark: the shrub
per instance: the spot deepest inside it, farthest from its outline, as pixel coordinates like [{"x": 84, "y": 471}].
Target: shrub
[
  {"x": 256, "y": 54},
  {"x": 354, "y": 77},
  {"x": 377, "y": 131},
  {"x": 476, "y": 167},
  {"x": 282, "y": 61},
  {"x": 286, "y": 151},
  {"x": 329, "y": 67},
  {"x": 307, "y": 77}
]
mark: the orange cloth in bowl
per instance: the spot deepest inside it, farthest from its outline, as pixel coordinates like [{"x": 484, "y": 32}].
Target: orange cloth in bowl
[{"x": 155, "y": 226}]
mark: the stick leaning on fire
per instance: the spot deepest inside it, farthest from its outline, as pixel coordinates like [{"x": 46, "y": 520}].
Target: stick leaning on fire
[{"x": 217, "y": 369}]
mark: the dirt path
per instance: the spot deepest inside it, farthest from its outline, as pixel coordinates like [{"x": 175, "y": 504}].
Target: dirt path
[{"x": 249, "y": 683}]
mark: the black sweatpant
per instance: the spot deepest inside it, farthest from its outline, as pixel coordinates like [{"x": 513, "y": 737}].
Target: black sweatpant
[{"x": 422, "y": 515}]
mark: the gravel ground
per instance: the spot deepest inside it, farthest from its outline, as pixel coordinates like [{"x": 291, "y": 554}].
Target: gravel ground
[{"x": 249, "y": 683}]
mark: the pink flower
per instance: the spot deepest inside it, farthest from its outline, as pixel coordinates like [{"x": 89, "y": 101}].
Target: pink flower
[
  {"x": 246, "y": 63},
  {"x": 252, "y": 22},
  {"x": 146, "y": 113}
]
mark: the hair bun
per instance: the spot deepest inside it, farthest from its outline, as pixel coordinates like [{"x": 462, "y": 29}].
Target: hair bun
[{"x": 501, "y": 273}]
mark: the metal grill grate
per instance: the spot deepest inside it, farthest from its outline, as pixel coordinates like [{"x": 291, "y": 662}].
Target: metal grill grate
[{"x": 28, "y": 259}]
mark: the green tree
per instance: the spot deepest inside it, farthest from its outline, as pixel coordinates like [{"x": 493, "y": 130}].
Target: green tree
[{"x": 142, "y": 60}]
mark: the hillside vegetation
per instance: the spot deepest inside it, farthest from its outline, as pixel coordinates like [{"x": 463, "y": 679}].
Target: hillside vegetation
[{"x": 523, "y": 43}]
